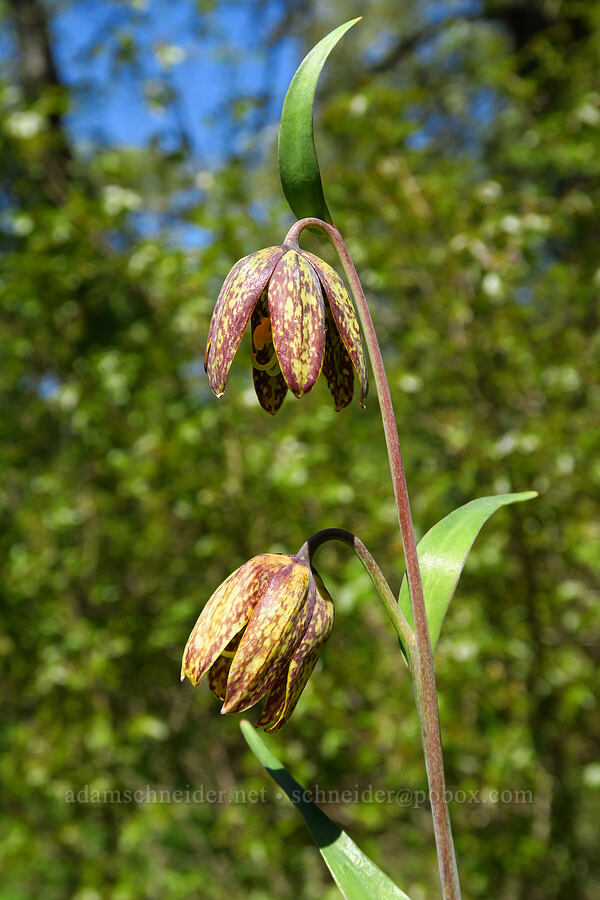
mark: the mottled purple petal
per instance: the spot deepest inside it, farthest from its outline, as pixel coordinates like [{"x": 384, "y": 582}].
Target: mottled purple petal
[
  {"x": 277, "y": 671},
  {"x": 261, "y": 687},
  {"x": 218, "y": 307},
  {"x": 276, "y": 626},
  {"x": 298, "y": 321},
  {"x": 344, "y": 316},
  {"x": 337, "y": 366},
  {"x": 276, "y": 699},
  {"x": 218, "y": 672},
  {"x": 217, "y": 676},
  {"x": 243, "y": 286},
  {"x": 270, "y": 389},
  {"x": 284, "y": 696},
  {"x": 228, "y": 611}
]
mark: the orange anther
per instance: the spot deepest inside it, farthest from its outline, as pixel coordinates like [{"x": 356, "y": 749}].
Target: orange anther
[{"x": 262, "y": 334}]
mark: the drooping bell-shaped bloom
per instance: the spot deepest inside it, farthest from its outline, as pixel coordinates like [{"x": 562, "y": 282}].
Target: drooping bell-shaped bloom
[
  {"x": 303, "y": 322},
  {"x": 261, "y": 634}
]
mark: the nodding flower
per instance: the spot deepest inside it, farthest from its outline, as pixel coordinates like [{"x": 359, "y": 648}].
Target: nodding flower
[
  {"x": 302, "y": 322},
  {"x": 260, "y": 635}
]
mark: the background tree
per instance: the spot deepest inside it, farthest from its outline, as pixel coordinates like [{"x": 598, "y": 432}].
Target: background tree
[{"x": 460, "y": 152}]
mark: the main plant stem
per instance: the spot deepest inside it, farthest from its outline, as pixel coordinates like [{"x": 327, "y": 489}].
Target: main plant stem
[{"x": 422, "y": 661}]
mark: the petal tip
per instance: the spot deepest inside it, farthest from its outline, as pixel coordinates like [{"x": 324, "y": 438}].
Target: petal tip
[
  {"x": 217, "y": 386},
  {"x": 232, "y": 703},
  {"x": 192, "y": 677}
]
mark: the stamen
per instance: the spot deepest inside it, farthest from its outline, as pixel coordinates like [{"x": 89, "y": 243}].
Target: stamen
[
  {"x": 262, "y": 334},
  {"x": 271, "y": 367}
]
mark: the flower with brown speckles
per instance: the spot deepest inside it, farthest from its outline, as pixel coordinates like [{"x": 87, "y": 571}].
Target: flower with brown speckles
[
  {"x": 303, "y": 321},
  {"x": 260, "y": 634}
]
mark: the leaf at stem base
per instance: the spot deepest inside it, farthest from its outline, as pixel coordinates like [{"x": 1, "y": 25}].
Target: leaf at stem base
[{"x": 357, "y": 877}]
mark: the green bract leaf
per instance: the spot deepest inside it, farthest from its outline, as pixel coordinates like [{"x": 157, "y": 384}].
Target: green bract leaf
[
  {"x": 298, "y": 163},
  {"x": 357, "y": 877},
  {"x": 443, "y": 552}
]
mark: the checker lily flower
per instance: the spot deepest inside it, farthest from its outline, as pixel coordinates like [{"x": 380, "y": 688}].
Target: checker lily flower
[
  {"x": 302, "y": 322},
  {"x": 261, "y": 634}
]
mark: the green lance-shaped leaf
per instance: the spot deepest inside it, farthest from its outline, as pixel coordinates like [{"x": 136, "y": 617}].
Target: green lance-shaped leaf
[
  {"x": 357, "y": 877},
  {"x": 443, "y": 552},
  {"x": 298, "y": 163}
]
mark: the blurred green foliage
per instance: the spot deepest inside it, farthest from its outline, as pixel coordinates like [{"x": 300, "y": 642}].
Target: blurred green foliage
[{"x": 462, "y": 169}]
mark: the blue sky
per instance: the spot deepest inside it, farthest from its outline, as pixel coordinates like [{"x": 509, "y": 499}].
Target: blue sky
[
  {"x": 207, "y": 59},
  {"x": 118, "y": 55}
]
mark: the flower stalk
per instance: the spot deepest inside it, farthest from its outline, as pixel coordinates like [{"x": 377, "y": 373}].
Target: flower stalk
[
  {"x": 403, "y": 629},
  {"x": 422, "y": 668}
]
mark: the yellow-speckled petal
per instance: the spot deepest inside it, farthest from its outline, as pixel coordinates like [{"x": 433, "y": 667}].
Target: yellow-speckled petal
[
  {"x": 228, "y": 611},
  {"x": 218, "y": 307},
  {"x": 277, "y": 671},
  {"x": 217, "y": 676},
  {"x": 298, "y": 321},
  {"x": 275, "y": 704},
  {"x": 275, "y": 629},
  {"x": 243, "y": 286},
  {"x": 218, "y": 672},
  {"x": 344, "y": 316},
  {"x": 261, "y": 687},
  {"x": 337, "y": 366},
  {"x": 270, "y": 389},
  {"x": 284, "y": 696}
]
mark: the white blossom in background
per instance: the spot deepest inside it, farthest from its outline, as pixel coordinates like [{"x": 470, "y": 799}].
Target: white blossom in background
[{"x": 117, "y": 199}]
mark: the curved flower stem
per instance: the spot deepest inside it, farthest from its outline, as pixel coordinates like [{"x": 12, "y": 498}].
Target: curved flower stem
[
  {"x": 422, "y": 663},
  {"x": 403, "y": 629}
]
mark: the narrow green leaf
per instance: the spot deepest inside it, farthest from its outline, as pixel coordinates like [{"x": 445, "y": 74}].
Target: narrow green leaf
[
  {"x": 357, "y": 877},
  {"x": 443, "y": 552},
  {"x": 298, "y": 163}
]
